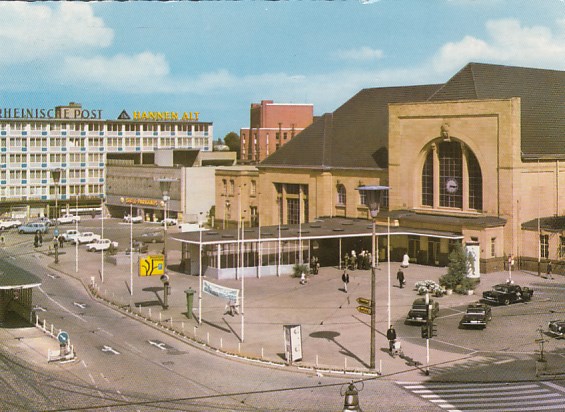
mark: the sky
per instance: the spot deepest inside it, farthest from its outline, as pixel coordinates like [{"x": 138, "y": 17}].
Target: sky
[{"x": 217, "y": 58}]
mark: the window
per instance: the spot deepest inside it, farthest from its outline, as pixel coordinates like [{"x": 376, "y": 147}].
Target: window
[
  {"x": 341, "y": 195},
  {"x": 450, "y": 158},
  {"x": 428, "y": 181},
  {"x": 253, "y": 188},
  {"x": 544, "y": 246},
  {"x": 561, "y": 247},
  {"x": 492, "y": 246},
  {"x": 362, "y": 197}
]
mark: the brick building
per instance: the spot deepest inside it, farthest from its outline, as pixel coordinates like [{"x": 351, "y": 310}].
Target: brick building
[{"x": 271, "y": 126}]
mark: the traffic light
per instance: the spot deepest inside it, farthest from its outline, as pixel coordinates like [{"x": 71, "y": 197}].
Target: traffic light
[
  {"x": 425, "y": 331},
  {"x": 433, "y": 330}
]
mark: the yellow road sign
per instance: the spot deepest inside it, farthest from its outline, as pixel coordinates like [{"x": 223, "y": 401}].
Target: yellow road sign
[
  {"x": 364, "y": 309},
  {"x": 152, "y": 265},
  {"x": 364, "y": 301}
]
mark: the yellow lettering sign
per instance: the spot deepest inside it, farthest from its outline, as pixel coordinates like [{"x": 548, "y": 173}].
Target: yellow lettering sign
[{"x": 167, "y": 116}]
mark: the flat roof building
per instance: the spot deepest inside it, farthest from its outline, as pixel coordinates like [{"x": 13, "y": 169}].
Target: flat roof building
[{"x": 79, "y": 142}]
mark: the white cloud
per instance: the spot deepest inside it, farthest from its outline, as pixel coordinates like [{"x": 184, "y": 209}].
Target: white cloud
[
  {"x": 509, "y": 43},
  {"x": 144, "y": 72},
  {"x": 361, "y": 54},
  {"x": 30, "y": 31}
]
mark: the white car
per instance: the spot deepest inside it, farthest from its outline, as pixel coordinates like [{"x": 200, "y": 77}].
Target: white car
[
  {"x": 9, "y": 224},
  {"x": 170, "y": 221},
  {"x": 101, "y": 244},
  {"x": 70, "y": 235},
  {"x": 86, "y": 237},
  {"x": 65, "y": 219},
  {"x": 133, "y": 219}
]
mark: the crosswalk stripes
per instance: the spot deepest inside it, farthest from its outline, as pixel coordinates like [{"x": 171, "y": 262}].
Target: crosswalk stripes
[{"x": 491, "y": 397}]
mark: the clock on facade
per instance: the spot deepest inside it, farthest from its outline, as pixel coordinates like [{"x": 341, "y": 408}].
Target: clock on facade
[{"x": 451, "y": 185}]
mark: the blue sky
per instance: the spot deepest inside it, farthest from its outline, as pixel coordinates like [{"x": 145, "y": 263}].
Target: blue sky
[{"x": 217, "y": 58}]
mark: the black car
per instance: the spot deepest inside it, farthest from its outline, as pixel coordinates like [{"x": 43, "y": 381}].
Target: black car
[
  {"x": 150, "y": 237},
  {"x": 507, "y": 293},
  {"x": 419, "y": 312},
  {"x": 137, "y": 247},
  {"x": 476, "y": 316},
  {"x": 557, "y": 328}
]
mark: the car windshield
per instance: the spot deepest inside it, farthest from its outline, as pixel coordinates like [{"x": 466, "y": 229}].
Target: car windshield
[
  {"x": 501, "y": 288},
  {"x": 475, "y": 311}
]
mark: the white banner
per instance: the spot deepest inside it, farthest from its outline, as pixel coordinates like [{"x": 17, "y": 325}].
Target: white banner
[{"x": 221, "y": 291}]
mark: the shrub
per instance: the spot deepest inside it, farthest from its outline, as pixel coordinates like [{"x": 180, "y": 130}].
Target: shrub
[
  {"x": 459, "y": 263},
  {"x": 298, "y": 269}
]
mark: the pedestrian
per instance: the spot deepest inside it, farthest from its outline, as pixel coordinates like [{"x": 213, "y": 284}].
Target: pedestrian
[
  {"x": 61, "y": 241},
  {"x": 353, "y": 260},
  {"x": 405, "y": 260},
  {"x": 400, "y": 277},
  {"x": 40, "y": 239},
  {"x": 303, "y": 278},
  {"x": 346, "y": 260},
  {"x": 36, "y": 240},
  {"x": 549, "y": 274},
  {"x": 391, "y": 336},
  {"x": 345, "y": 279}
]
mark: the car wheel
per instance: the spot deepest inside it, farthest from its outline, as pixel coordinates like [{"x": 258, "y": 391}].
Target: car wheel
[
  {"x": 506, "y": 301},
  {"x": 20, "y": 231}
]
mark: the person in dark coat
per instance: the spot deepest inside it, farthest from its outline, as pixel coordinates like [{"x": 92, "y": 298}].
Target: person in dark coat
[
  {"x": 345, "y": 279},
  {"x": 400, "y": 277},
  {"x": 36, "y": 240},
  {"x": 549, "y": 274},
  {"x": 391, "y": 336}
]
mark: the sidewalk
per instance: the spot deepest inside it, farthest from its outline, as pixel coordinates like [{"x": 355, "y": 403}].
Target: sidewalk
[{"x": 335, "y": 336}]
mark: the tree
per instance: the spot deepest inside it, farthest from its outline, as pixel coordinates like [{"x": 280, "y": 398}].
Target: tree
[
  {"x": 233, "y": 142},
  {"x": 459, "y": 263}
]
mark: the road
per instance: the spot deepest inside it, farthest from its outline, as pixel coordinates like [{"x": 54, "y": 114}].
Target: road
[{"x": 127, "y": 365}]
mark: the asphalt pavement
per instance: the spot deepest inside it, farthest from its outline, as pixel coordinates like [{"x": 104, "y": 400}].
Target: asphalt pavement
[{"x": 335, "y": 335}]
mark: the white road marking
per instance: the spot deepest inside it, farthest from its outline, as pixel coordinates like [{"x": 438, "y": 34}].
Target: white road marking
[{"x": 61, "y": 306}]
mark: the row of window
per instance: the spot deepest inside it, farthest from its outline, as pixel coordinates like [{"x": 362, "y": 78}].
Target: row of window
[
  {"x": 52, "y": 157},
  {"x": 46, "y": 174},
  {"x": 101, "y": 127},
  {"x": 55, "y": 142},
  {"x": 36, "y": 191}
]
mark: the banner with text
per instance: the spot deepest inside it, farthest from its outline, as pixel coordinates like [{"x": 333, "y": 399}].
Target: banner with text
[{"x": 221, "y": 291}]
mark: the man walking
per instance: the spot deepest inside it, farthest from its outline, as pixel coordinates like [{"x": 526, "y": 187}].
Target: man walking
[
  {"x": 345, "y": 279},
  {"x": 391, "y": 336},
  {"x": 549, "y": 274},
  {"x": 400, "y": 277}
]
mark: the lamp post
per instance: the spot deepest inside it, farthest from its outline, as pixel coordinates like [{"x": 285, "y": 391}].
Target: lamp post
[
  {"x": 373, "y": 196},
  {"x": 56, "y": 176},
  {"x": 165, "y": 186},
  {"x": 200, "y": 270}
]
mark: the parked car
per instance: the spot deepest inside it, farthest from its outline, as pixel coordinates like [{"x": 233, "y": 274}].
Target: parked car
[
  {"x": 170, "y": 221},
  {"x": 101, "y": 244},
  {"x": 67, "y": 218},
  {"x": 507, "y": 293},
  {"x": 151, "y": 237},
  {"x": 86, "y": 237},
  {"x": 476, "y": 316},
  {"x": 137, "y": 247},
  {"x": 133, "y": 219},
  {"x": 44, "y": 219},
  {"x": 557, "y": 328},
  {"x": 9, "y": 224},
  {"x": 419, "y": 312},
  {"x": 33, "y": 227},
  {"x": 70, "y": 235}
]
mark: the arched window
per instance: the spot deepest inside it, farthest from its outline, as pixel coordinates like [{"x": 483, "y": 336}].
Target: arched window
[
  {"x": 459, "y": 184},
  {"x": 341, "y": 195}
]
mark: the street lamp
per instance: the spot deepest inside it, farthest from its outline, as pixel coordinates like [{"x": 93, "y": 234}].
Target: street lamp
[
  {"x": 56, "y": 176},
  {"x": 165, "y": 186},
  {"x": 373, "y": 195}
]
